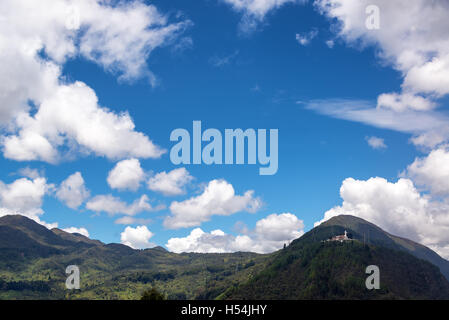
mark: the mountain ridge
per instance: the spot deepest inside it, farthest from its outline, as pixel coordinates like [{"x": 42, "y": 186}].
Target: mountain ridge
[{"x": 33, "y": 260}]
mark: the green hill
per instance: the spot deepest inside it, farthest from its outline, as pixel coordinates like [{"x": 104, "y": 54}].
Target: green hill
[
  {"x": 372, "y": 234},
  {"x": 313, "y": 268}
]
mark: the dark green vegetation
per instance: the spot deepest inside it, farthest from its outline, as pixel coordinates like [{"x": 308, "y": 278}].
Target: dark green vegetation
[
  {"x": 33, "y": 261},
  {"x": 312, "y": 268},
  {"x": 152, "y": 294}
]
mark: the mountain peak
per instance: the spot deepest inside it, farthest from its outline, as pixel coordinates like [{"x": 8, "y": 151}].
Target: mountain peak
[
  {"x": 35, "y": 232},
  {"x": 348, "y": 221},
  {"x": 16, "y": 219},
  {"x": 370, "y": 233}
]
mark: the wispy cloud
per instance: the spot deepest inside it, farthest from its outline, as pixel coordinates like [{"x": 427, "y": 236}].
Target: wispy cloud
[
  {"x": 429, "y": 128},
  {"x": 256, "y": 88},
  {"x": 255, "y": 11},
  {"x": 219, "y": 61},
  {"x": 305, "y": 38}
]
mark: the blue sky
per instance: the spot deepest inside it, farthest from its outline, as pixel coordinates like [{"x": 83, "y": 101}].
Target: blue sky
[{"x": 227, "y": 77}]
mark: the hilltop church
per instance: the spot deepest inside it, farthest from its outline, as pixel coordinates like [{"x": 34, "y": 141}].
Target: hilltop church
[{"x": 341, "y": 238}]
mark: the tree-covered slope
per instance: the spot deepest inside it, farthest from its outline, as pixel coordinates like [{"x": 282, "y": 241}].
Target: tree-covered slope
[
  {"x": 334, "y": 270},
  {"x": 313, "y": 268}
]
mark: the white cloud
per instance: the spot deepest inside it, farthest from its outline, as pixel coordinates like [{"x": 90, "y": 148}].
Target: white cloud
[
  {"x": 305, "y": 38},
  {"x": 113, "y": 205},
  {"x": 270, "y": 234},
  {"x": 218, "y": 198},
  {"x": 376, "y": 143},
  {"x": 42, "y": 113},
  {"x": 171, "y": 183},
  {"x": 82, "y": 231},
  {"x": 137, "y": 238},
  {"x": 279, "y": 227},
  {"x": 330, "y": 43},
  {"x": 72, "y": 116},
  {"x": 433, "y": 76},
  {"x": 24, "y": 196},
  {"x": 72, "y": 191},
  {"x": 254, "y": 11},
  {"x": 397, "y": 208},
  {"x": 402, "y": 102},
  {"x": 127, "y": 174},
  {"x": 432, "y": 171},
  {"x": 200, "y": 241}
]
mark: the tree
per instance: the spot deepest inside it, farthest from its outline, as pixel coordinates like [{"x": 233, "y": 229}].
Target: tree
[{"x": 152, "y": 294}]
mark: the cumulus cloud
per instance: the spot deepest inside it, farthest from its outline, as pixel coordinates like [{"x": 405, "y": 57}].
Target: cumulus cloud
[
  {"x": 137, "y": 238},
  {"x": 421, "y": 56},
  {"x": 402, "y": 102},
  {"x": 127, "y": 174},
  {"x": 72, "y": 191},
  {"x": 254, "y": 11},
  {"x": 170, "y": 183},
  {"x": 82, "y": 231},
  {"x": 24, "y": 196},
  {"x": 218, "y": 198},
  {"x": 432, "y": 171},
  {"x": 72, "y": 115},
  {"x": 376, "y": 142},
  {"x": 113, "y": 205},
  {"x": 200, "y": 241},
  {"x": 279, "y": 227},
  {"x": 270, "y": 234},
  {"x": 42, "y": 114},
  {"x": 398, "y": 208}
]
